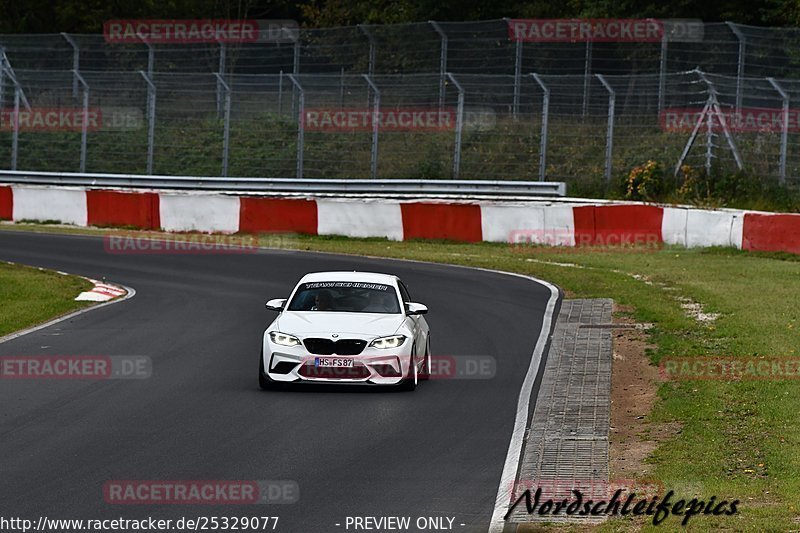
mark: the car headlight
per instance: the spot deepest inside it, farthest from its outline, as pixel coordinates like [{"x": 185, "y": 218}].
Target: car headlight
[
  {"x": 388, "y": 342},
  {"x": 283, "y": 339}
]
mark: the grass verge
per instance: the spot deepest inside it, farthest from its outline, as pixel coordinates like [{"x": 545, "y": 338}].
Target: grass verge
[
  {"x": 31, "y": 296},
  {"x": 739, "y": 438}
]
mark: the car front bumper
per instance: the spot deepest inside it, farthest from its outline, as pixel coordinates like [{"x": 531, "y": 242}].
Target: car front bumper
[{"x": 372, "y": 366}]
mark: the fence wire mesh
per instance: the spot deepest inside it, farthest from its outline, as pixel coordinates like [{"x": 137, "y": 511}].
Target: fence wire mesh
[{"x": 428, "y": 100}]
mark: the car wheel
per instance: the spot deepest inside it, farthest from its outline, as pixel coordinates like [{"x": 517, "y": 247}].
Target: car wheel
[
  {"x": 410, "y": 383},
  {"x": 264, "y": 382},
  {"x": 425, "y": 374}
]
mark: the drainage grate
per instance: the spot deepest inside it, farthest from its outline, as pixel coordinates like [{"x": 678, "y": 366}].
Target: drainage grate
[{"x": 567, "y": 443}]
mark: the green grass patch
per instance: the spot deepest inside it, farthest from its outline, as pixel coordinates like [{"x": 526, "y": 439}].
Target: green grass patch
[
  {"x": 739, "y": 439},
  {"x": 30, "y": 296}
]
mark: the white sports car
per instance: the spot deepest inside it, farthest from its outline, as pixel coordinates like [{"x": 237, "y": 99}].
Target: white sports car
[{"x": 346, "y": 327}]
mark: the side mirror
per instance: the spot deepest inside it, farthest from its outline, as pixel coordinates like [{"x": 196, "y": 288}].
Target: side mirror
[
  {"x": 276, "y": 304},
  {"x": 416, "y": 309}
]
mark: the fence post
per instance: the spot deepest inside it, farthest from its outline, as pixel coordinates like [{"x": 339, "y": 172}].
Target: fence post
[
  {"x": 442, "y": 61},
  {"x": 376, "y": 110},
  {"x": 693, "y": 136},
  {"x": 221, "y": 70},
  {"x": 371, "y": 57},
  {"x": 587, "y": 77},
  {"x": 296, "y": 55},
  {"x": 545, "y": 116},
  {"x": 517, "y": 71},
  {"x": 2, "y": 84},
  {"x": 85, "y": 121},
  {"x": 714, "y": 107},
  {"x": 517, "y": 75},
  {"x": 459, "y": 126},
  {"x": 295, "y": 69},
  {"x": 662, "y": 73},
  {"x": 151, "y": 120},
  {"x": 709, "y": 142},
  {"x": 740, "y": 64},
  {"x": 300, "y": 124},
  {"x": 226, "y": 128},
  {"x": 341, "y": 89},
  {"x": 612, "y": 96},
  {"x": 76, "y": 61},
  {"x": 280, "y": 92},
  {"x": 5, "y": 65},
  {"x": 151, "y": 56},
  {"x": 15, "y": 133},
  {"x": 784, "y": 128},
  {"x": 19, "y": 96}
]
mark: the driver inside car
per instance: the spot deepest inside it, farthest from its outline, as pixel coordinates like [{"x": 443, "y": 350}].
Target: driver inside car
[
  {"x": 377, "y": 303},
  {"x": 323, "y": 301}
]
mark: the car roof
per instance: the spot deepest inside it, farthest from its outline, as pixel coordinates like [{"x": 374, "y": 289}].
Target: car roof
[{"x": 368, "y": 277}]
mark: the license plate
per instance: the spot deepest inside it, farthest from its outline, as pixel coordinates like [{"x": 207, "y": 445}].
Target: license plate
[{"x": 333, "y": 362}]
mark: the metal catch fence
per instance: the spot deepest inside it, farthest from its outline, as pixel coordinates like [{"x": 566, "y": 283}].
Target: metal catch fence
[{"x": 427, "y": 100}]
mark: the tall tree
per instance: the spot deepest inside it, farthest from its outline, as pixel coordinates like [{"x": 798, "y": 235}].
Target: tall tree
[{"x": 87, "y": 16}]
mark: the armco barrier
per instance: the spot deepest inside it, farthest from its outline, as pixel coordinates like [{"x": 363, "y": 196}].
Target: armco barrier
[{"x": 546, "y": 223}]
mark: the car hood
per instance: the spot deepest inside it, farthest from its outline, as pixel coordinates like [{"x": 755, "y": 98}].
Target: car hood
[{"x": 306, "y": 323}]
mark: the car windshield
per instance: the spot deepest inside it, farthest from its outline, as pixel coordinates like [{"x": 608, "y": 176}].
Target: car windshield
[{"x": 345, "y": 296}]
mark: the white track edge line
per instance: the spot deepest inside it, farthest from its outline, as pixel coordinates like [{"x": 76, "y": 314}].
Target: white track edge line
[
  {"x": 17, "y": 334},
  {"x": 514, "y": 454}
]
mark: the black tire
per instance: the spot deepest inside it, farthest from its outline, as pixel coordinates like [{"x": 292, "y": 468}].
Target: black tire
[
  {"x": 425, "y": 374},
  {"x": 263, "y": 379},
  {"x": 410, "y": 383}
]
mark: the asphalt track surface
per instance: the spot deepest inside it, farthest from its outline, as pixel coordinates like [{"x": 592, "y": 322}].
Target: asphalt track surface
[{"x": 438, "y": 451}]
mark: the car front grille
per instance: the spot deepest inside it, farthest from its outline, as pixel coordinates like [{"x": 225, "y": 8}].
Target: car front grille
[{"x": 340, "y": 347}]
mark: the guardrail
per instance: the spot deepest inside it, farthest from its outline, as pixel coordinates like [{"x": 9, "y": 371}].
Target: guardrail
[{"x": 292, "y": 186}]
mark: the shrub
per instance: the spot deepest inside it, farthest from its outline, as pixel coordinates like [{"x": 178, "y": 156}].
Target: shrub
[{"x": 646, "y": 182}]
